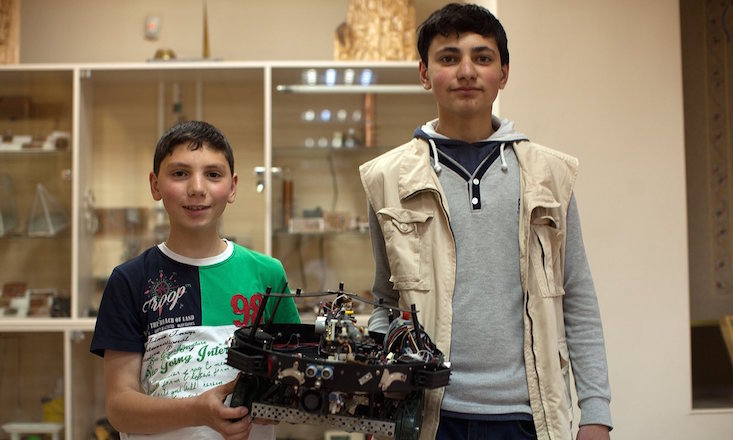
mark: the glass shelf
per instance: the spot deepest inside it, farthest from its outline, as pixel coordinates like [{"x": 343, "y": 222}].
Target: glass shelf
[
  {"x": 283, "y": 234},
  {"x": 323, "y": 152},
  {"x": 352, "y": 89}
]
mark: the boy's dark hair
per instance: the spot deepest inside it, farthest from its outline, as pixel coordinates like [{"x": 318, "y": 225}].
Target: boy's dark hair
[
  {"x": 457, "y": 18},
  {"x": 194, "y": 134}
]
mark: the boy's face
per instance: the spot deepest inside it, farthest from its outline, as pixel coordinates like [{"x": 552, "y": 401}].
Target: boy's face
[
  {"x": 195, "y": 187},
  {"x": 465, "y": 74}
]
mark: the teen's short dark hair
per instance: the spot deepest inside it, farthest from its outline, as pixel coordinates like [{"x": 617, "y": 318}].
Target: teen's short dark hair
[
  {"x": 195, "y": 134},
  {"x": 458, "y": 18}
]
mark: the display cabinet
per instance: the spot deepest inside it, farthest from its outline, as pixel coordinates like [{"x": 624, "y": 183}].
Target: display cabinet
[
  {"x": 326, "y": 121},
  {"x": 75, "y": 201}
]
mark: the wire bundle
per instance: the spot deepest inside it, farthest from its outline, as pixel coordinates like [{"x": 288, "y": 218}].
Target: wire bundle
[{"x": 401, "y": 343}]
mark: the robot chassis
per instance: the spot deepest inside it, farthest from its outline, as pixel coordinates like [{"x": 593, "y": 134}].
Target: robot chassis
[{"x": 335, "y": 373}]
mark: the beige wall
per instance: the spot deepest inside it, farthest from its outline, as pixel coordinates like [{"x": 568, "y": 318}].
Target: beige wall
[
  {"x": 600, "y": 79},
  {"x": 112, "y": 30},
  {"x": 603, "y": 81}
]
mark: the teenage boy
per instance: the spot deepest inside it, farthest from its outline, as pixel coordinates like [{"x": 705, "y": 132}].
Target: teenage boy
[
  {"x": 478, "y": 227},
  {"x": 166, "y": 315}
]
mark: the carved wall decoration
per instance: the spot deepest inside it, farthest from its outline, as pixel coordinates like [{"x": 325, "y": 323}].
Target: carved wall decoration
[
  {"x": 719, "y": 60},
  {"x": 377, "y": 30},
  {"x": 9, "y": 31}
]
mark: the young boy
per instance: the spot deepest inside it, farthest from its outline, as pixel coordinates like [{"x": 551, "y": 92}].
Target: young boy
[
  {"x": 167, "y": 314},
  {"x": 478, "y": 227}
]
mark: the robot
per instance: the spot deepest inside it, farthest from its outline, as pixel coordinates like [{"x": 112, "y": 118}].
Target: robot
[{"x": 336, "y": 373}]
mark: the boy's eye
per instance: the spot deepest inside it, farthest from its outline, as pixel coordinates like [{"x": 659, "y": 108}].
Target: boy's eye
[
  {"x": 446, "y": 59},
  {"x": 214, "y": 174},
  {"x": 178, "y": 173},
  {"x": 484, "y": 59}
]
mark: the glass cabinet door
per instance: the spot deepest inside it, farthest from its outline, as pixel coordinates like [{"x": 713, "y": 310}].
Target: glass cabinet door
[
  {"x": 32, "y": 379},
  {"x": 123, "y": 114},
  {"x": 35, "y": 193},
  {"x": 36, "y": 236},
  {"x": 326, "y": 121}
]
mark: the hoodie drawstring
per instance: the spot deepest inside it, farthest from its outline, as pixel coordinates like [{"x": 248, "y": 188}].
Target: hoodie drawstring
[
  {"x": 501, "y": 154},
  {"x": 436, "y": 164}
]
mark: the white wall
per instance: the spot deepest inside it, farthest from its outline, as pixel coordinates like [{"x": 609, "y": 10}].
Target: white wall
[{"x": 600, "y": 79}]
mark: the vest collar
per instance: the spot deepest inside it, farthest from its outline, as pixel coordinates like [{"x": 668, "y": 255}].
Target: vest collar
[
  {"x": 538, "y": 186},
  {"x": 416, "y": 173}
]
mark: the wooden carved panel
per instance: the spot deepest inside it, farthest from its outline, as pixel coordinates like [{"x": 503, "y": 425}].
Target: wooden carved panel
[
  {"x": 719, "y": 102},
  {"x": 9, "y": 31}
]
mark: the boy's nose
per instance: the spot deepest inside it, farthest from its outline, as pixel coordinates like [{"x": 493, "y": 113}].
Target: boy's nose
[
  {"x": 196, "y": 185},
  {"x": 466, "y": 69}
]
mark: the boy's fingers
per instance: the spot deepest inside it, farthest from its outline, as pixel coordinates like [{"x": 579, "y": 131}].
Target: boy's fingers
[
  {"x": 237, "y": 427},
  {"x": 226, "y": 389},
  {"x": 235, "y": 413}
]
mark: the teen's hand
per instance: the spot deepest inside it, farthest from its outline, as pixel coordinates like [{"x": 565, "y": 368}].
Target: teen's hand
[
  {"x": 593, "y": 432},
  {"x": 231, "y": 423}
]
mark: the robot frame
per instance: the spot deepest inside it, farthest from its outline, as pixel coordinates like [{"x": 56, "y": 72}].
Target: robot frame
[{"x": 335, "y": 373}]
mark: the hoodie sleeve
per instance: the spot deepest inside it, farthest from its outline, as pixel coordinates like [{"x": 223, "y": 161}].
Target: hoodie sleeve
[{"x": 583, "y": 329}]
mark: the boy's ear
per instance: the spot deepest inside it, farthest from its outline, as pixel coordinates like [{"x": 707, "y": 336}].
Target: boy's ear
[
  {"x": 233, "y": 189},
  {"x": 424, "y": 77},
  {"x": 504, "y": 75},
  {"x": 154, "y": 187}
]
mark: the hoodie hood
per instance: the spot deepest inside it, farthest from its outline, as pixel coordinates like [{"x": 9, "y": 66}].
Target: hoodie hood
[{"x": 504, "y": 133}]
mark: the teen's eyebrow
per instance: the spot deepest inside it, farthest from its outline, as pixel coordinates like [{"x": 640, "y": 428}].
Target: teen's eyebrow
[
  {"x": 483, "y": 49},
  {"x": 447, "y": 49},
  {"x": 455, "y": 50}
]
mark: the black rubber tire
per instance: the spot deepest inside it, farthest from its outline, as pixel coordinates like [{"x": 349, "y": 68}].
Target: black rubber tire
[{"x": 409, "y": 417}]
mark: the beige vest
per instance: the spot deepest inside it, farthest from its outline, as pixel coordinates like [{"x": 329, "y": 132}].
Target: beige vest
[{"x": 404, "y": 191}]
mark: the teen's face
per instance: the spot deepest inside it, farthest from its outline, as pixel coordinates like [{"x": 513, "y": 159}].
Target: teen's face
[
  {"x": 465, "y": 74},
  {"x": 195, "y": 187}
]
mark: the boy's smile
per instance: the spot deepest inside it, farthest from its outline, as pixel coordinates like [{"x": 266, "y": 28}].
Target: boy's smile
[
  {"x": 465, "y": 74},
  {"x": 195, "y": 187}
]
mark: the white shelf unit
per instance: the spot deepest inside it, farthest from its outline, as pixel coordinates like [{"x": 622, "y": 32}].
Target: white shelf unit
[{"x": 115, "y": 114}]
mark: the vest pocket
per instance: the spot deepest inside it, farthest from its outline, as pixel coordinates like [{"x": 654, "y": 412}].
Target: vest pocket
[
  {"x": 408, "y": 254},
  {"x": 547, "y": 263}
]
